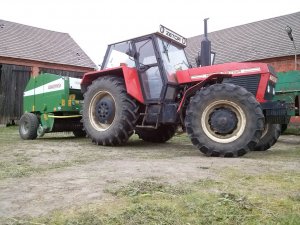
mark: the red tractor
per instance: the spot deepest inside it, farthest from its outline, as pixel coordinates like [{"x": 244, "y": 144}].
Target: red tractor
[{"x": 147, "y": 86}]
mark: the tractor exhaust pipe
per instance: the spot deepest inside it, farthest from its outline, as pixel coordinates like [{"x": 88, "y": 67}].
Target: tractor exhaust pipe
[{"x": 205, "y": 55}]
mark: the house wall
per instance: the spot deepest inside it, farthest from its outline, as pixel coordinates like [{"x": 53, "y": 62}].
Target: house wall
[
  {"x": 283, "y": 64},
  {"x": 36, "y": 65}
]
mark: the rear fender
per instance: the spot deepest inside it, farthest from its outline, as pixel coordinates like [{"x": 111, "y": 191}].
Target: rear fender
[{"x": 130, "y": 76}]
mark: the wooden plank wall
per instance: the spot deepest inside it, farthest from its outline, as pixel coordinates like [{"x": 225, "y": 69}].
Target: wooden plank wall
[{"x": 13, "y": 80}]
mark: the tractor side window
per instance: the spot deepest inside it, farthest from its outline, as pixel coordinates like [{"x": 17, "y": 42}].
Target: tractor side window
[
  {"x": 151, "y": 77},
  {"x": 118, "y": 54}
]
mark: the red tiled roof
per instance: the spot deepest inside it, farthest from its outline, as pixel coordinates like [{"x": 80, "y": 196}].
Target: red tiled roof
[{"x": 27, "y": 42}]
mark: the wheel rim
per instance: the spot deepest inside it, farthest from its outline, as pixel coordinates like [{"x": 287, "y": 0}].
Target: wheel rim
[
  {"x": 231, "y": 132},
  {"x": 102, "y": 110},
  {"x": 25, "y": 127},
  {"x": 265, "y": 131}
]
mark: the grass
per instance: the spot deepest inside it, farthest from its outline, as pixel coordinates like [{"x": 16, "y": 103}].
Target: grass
[
  {"x": 292, "y": 130},
  {"x": 201, "y": 202},
  {"x": 18, "y": 156},
  {"x": 269, "y": 196}
]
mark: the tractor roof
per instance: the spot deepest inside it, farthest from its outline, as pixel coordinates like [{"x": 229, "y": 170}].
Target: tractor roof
[{"x": 163, "y": 32}]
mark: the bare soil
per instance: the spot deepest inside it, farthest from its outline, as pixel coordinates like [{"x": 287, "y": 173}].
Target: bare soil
[{"x": 57, "y": 172}]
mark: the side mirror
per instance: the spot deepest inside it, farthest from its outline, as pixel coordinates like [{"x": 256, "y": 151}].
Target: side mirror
[
  {"x": 198, "y": 59},
  {"x": 212, "y": 56},
  {"x": 131, "y": 53}
]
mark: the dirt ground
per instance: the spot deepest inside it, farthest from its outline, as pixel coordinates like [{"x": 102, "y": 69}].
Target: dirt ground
[{"x": 59, "y": 171}]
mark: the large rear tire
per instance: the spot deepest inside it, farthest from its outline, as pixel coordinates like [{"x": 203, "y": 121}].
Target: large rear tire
[
  {"x": 269, "y": 137},
  {"x": 79, "y": 133},
  {"x": 224, "y": 120},
  {"x": 160, "y": 135},
  {"x": 109, "y": 113},
  {"x": 283, "y": 127},
  {"x": 28, "y": 126}
]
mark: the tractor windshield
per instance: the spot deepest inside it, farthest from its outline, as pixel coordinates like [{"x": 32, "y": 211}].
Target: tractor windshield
[{"x": 173, "y": 58}]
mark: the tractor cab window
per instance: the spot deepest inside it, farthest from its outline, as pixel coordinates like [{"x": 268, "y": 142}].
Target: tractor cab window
[
  {"x": 173, "y": 58},
  {"x": 119, "y": 54}
]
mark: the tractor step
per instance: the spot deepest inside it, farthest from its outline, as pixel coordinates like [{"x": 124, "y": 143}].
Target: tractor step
[{"x": 150, "y": 118}]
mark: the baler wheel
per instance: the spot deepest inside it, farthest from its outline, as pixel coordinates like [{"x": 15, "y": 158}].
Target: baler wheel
[
  {"x": 160, "y": 135},
  {"x": 269, "y": 137},
  {"x": 224, "y": 120},
  {"x": 28, "y": 126},
  {"x": 109, "y": 113}
]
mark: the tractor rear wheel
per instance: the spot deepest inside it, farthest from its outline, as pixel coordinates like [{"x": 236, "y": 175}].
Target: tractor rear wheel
[
  {"x": 109, "y": 113},
  {"x": 283, "y": 128},
  {"x": 28, "y": 126},
  {"x": 269, "y": 137},
  {"x": 79, "y": 133},
  {"x": 160, "y": 135},
  {"x": 224, "y": 120}
]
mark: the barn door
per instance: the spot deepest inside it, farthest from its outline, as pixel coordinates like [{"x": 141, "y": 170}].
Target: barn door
[{"x": 13, "y": 80}]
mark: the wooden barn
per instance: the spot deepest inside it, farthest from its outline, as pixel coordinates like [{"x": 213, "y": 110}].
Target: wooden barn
[{"x": 28, "y": 51}]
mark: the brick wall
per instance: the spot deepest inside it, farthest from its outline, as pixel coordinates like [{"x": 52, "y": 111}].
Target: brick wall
[
  {"x": 36, "y": 65},
  {"x": 283, "y": 64}
]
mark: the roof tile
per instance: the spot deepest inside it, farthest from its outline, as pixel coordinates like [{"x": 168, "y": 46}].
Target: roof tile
[
  {"x": 27, "y": 42},
  {"x": 253, "y": 41}
]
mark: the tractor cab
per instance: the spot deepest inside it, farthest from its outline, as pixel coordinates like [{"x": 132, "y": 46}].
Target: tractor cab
[{"x": 156, "y": 58}]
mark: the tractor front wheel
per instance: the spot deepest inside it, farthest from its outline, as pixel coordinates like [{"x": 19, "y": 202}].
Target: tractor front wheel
[
  {"x": 160, "y": 135},
  {"x": 28, "y": 126},
  {"x": 109, "y": 113},
  {"x": 224, "y": 120}
]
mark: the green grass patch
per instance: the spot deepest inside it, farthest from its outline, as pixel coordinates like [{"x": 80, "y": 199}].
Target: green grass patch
[
  {"x": 147, "y": 188},
  {"x": 12, "y": 170},
  {"x": 292, "y": 130},
  {"x": 202, "y": 202}
]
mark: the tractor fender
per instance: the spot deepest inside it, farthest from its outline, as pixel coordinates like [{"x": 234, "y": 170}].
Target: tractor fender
[
  {"x": 215, "y": 78},
  {"x": 130, "y": 75}
]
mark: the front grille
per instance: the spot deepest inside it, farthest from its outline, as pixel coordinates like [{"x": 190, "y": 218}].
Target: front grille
[{"x": 249, "y": 82}]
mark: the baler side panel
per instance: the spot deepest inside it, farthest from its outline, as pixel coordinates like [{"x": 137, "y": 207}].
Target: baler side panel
[
  {"x": 28, "y": 101},
  {"x": 288, "y": 82}
]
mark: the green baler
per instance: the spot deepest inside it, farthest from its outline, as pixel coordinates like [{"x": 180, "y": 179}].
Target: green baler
[
  {"x": 288, "y": 89},
  {"x": 52, "y": 103}
]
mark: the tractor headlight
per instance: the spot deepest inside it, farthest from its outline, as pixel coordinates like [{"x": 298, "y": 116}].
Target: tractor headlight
[{"x": 270, "y": 91}]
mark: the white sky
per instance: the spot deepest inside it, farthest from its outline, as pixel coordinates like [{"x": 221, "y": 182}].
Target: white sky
[{"x": 94, "y": 24}]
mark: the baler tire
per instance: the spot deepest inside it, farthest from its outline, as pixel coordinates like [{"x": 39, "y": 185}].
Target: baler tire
[
  {"x": 109, "y": 113},
  {"x": 28, "y": 126},
  {"x": 269, "y": 137},
  {"x": 79, "y": 133},
  {"x": 160, "y": 135},
  {"x": 247, "y": 127}
]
